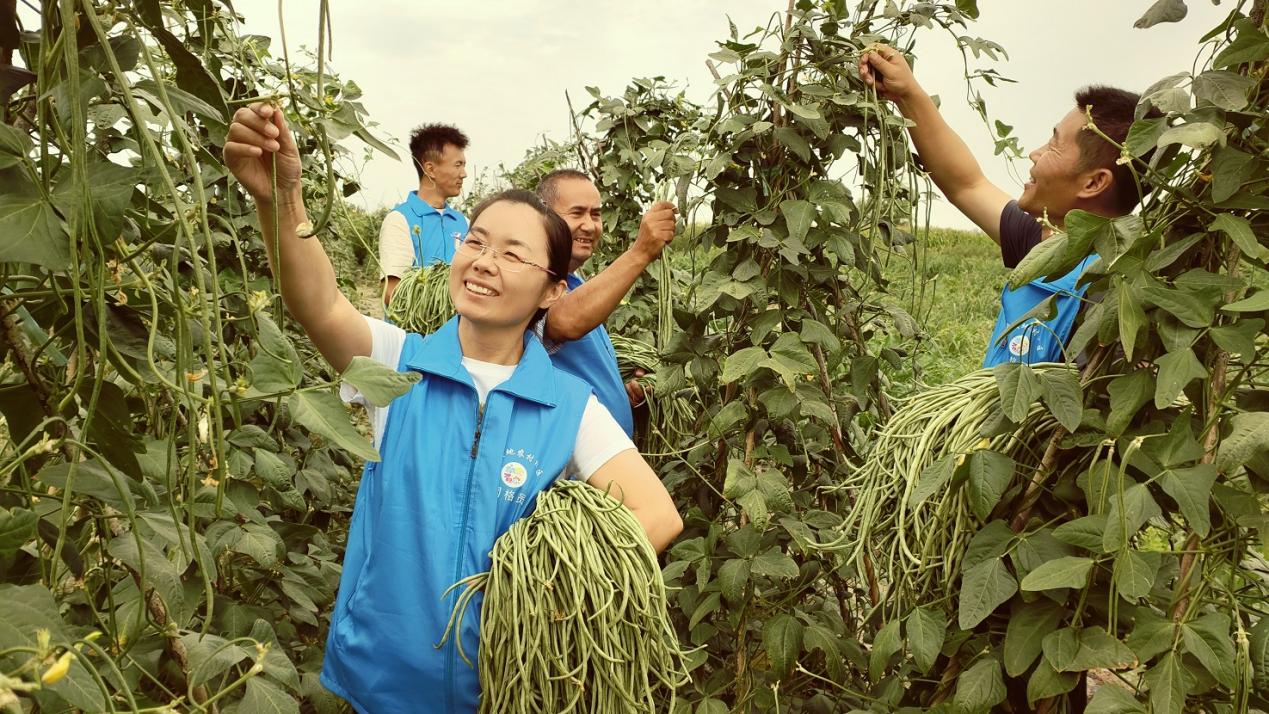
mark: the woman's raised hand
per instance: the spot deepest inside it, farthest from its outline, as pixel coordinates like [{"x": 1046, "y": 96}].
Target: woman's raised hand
[{"x": 257, "y": 134}]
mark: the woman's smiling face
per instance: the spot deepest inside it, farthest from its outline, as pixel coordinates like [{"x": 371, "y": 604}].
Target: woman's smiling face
[{"x": 483, "y": 288}]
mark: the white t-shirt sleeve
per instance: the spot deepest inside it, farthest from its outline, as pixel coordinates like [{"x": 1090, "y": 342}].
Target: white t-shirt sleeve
[
  {"x": 599, "y": 438},
  {"x": 386, "y": 342},
  {"x": 396, "y": 250}
]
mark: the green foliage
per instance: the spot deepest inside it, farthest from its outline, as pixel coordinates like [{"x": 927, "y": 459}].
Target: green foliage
[{"x": 177, "y": 473}]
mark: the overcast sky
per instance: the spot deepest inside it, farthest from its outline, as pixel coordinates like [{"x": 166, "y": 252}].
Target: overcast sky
[{"x": 499, "y": 69}]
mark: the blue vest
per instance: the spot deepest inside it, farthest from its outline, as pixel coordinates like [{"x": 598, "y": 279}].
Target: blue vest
[
  {"x": 433, "y": 233},
  {"x": 1035, "y": 340},
  {"x": 453, "y": 478},
  {"x": 593, "y": 359}
]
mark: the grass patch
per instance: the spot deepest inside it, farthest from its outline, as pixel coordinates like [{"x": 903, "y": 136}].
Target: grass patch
[{"x": 954, "y": 294}]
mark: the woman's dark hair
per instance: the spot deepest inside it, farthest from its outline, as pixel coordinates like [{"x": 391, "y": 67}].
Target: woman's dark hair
[{"x": 559, "y": 240}]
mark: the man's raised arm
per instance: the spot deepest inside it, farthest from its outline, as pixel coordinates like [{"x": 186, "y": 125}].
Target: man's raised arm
[
  {"x": 943, "y": 152},
  {"x": 587, "y": 307}
]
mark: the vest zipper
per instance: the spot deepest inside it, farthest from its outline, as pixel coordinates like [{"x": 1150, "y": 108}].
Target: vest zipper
[{"x": 452, "y": 661}]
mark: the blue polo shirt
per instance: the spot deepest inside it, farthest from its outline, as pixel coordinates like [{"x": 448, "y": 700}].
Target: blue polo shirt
[
  {"x": 434, "y": 233},
  {"x": 594, "y": 360}
]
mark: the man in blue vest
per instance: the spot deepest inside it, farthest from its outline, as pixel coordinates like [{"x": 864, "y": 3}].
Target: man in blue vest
[
  {"x": 423, "y": 229},
  {"x": 1076, "y": 169},
  {"x": 574, "y": 326}
]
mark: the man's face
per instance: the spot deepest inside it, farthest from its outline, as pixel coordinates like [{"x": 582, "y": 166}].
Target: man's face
[
  {"x": 1056, "y": 179},
  {"x": 448, "y": 171},
  {"x": 577, "y": 202}
]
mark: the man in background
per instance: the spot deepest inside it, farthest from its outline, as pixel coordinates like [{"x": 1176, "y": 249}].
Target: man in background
[
  {"x": 1076, "y": 169},
  {"x": 574, "y": 330},
  {"x": 423, "y": 229}
]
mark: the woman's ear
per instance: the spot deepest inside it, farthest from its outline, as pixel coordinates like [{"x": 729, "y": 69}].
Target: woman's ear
[{"x": 554, "y": 291}]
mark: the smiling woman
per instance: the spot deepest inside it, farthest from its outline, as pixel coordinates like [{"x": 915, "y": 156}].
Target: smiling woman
[{"x": 489, "y": 425}]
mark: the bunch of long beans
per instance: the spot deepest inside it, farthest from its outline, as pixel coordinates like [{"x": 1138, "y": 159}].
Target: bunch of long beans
[
  {"x": 670, "y": 416},
  {"x": 575, "y": 615},
  {"x": 917, "y": 535},
  {"x": 421, "y": 301}
]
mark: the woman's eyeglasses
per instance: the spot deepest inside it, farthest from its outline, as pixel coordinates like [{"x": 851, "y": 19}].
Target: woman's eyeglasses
[{"x": 473, "y": 248}]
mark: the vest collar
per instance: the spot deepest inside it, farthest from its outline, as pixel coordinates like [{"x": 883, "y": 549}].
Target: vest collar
[
  {"x": 533, "y": 379},
  {"x": 421, "y": 208}
]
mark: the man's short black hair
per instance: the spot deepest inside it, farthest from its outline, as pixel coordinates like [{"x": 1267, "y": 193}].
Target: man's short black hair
[
  {"x": 428, "y": 142},
  {"x": 548, "y": 186},
  {"x": 1113, "y": 112}
]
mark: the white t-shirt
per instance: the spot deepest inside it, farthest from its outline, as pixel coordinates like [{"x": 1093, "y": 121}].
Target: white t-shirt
[
  {"x": 396, "y": 250},
  {"x": 599, "y": 437}
]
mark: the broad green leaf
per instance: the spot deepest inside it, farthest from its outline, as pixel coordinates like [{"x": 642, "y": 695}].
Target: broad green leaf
[
  {"x": 1210, "y": 640},
  {"x": 1176, "y": 371},
  {"x": 1162, "y": 11},
  {"x": 28, "y": 609},
  {"x": 1131, "y": 317},
  {"x": 932, "y": 478},
  {"x": 1044, "y": 259},
  {"x": 1098, "y": 650},
  {"x": 744, "y": 542},
  {"x": 1227, "y": 90},
  {"x": 990, "y": 542},
  {"x": 276, "y": 664},
  {"x": 776, "y": 491},
  {"x": 984, "y": 587},
  {"x": 1029, "y": 624},
  {"x": 1061, "y": 647},
  {"x": 1239, "y": 230},
  {"x": 276, "y": 366},
  {"x": 1188, "y": 307},
  {"x": 17, "y": 527},
  {"x": 742, "y": 363},
  {"x": 980, "y": 687},
  {"x": 1196, "y": 135},
  {"x": 798, "y": 216},
  {"x": 818, "y": 637},
  {"x": 210, "y": 655},
  {"x": 1151, "y": 634},
  {"x": 260, "y": 542},
  {"x": 1019, "y": 387},
  {"x": 1135, "y": 572},
  {"x": 733, "y": 576},
  {"x": 791, "y": 359},
  {"x": 755, "y": 507},
  {"x": 884, "y": 647},
  {"x": 1250, "y": 45},
  {"x": 270, "y": 467},
  {"x": 1127, "y": 393},
  {"x": 1125, "y": 518},
  {"x": 265, "y": 697},
  {"x": 151, "y": 563},
  {"x": 706, "y": 607},
  {"x": 105, "y": 190},
  {"x": 93, "y": 478},
  {"x": 1231, "y": 169},
  {"x": 1085, "y": 532},
  {"x": 30, "y": 232},
  {"x": 1064, "y": 397},
  {"x": 1238, "y": 338},
  {"x": 1258, "y": 639},
  {"x": 740, "y": 479},
  {"x": 926, "y": 628},
  {"x": 1256, "y": 302},
  {"x": 1166, "y": 682},
  {"x": 1144, "y": 134},
  {"x": 774, "y": 564},
  {"x": 1047, "y": 682},
  {"x": 710, "y": 705},
  {"x": 1248, "y": 435},
  {"x": 1191, "y": 488},
  {"x": 377, "y": 382},
  {"x": 324, "y": 414},
  {"x": 990, "y": 473},
  {"x": 1114, "y": 700},
  {"x": 1068, "y": 572},
  {"x": 782, "y": 640}
]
